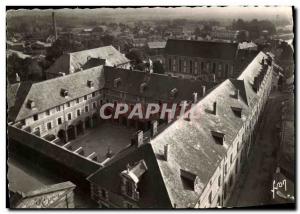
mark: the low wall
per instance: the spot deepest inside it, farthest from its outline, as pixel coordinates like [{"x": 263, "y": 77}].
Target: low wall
[{"x": 58, "y": 153}]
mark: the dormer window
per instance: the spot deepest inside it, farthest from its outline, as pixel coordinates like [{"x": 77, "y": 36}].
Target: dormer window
[
  {"x": 31, "y": 104},
  {"x": 90, "y": 83},
  {"x": 143, "y": 87},
  {"x": 64, "y": 93},
  {"x": 130, "y": 179},
  {"x": 218, "y": 136},
  {"x": 117, "y": 82},
  {"x": 174, "y": 92},
  {"x": 188, "y": 179},
  {"x": 237, "y": 111}
]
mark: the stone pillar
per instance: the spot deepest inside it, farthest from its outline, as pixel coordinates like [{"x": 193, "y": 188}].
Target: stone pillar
[
  {"x": 91, "y": 122},
  {"x": 75, "y": 131},
  {"x": 83, "y": 127},
  {"x": 66, "y": 136}
]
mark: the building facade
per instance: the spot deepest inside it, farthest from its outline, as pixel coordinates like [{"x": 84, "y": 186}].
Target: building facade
[{"x": 192, "y": 174}]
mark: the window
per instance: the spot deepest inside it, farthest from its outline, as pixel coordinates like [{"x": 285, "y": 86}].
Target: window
[
  {"x": 69, "y": 116},
  {"x": 191, "y": 66},
  {"x": 237, "y": 111},
  {"x": 225, "y": 191},
  {"x": 93, "y": 94},
  {"x": 225, "y": 168},
  {"x": 210, "y": 197},
  {"x": 104, "y": 194},
  {"x": 35, "y": 117},
  {"x": 128, "y": 186},
  {"x": 68, "y": 104},
  {"x": 236, "y": 166},
  {"x": 179, "y": 65},
  {"x": 214, "y": 67},
  {"x": 128, "y": 205},
  {"x": 230, "y": 181},
  {"x": 86, "y": 108},
  {"x": 170, "y": 64},
  {"x": 49, "y": 126},
  {"x": 78, "y": 112},
  {"x": 219, "y": 181},
  {"x": 57, "y": 108},
  {"x": 85, "y": 97},
  {"x": 218, "y": 137},
  {"x": 202, "y": 65},
  {"x": 77, "y": 100},
  {"x": 59, "y": 121},
  {"x": 231, "y": 159},
  {"x": 48, "y": 112},
  {"x": 94, "y": 105}
]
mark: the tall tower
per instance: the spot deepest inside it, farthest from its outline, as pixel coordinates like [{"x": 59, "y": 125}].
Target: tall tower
[{"x": 54, "y": 25}]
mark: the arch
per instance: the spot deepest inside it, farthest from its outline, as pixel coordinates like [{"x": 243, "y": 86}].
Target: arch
[
  {"x": 62, "y": 135},
  {"x": 79, "y": 128},
  {"x": 71, "y": 132},
  {"x": 87, "y": 122},
  {"x": 94, "y": 119}
]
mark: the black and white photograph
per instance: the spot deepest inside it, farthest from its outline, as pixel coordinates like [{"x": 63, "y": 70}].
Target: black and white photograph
[{"x": 183, "y": 107}]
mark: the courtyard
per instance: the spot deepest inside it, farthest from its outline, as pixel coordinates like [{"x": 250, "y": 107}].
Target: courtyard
[{"x": 105, "y": 138}]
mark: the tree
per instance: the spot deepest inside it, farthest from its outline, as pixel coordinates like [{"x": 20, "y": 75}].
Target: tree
[
  {"x": 98, "y": 30},
  {"x": 108, "y": 39},
  {"x": 135, "y": 55},
  {"x": 197, "y": 31},
  {"x": 158, "y": 67}
]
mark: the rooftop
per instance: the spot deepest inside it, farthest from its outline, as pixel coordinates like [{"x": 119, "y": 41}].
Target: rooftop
[
  {"x": 203, "y": 49},
  {"x": 187, "y": 153}
]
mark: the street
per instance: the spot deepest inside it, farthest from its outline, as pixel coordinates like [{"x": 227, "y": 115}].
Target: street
[{"x": 255, "y": 182}]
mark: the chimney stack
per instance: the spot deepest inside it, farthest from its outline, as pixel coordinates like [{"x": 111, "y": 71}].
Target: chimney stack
[
  {"x": 237, "y": 93},
  {"x": 203, "y": 90},
  {"x": 154, "y": 128},
  {"x": 54, "y": 25},
  {"x": 215, "y": 108},
  {"x": 140, "y": 138},
  {"x": 195, "y": 94},
  {"x": 18, "y": 79},
  {"x": 166, "y": 152}
]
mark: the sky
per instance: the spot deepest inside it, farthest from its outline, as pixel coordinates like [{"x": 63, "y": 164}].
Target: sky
[{"x": 229, "y": 12}]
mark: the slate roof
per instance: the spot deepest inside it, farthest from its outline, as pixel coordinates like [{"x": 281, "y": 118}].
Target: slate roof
[
  {"x": 46, "y": 94},
  {"x": 202, "y": 49},
  {"x": 73, "y": 62},
  {"x": 157, "y": 87},
  {"x": 153, "y": 192},
  {"x": 192, "y": 147}
]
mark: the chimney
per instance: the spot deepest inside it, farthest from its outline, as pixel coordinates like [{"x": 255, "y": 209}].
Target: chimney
[
  {"x": 203, "y": 90},
  {"x": 237, "y": 93},
  {"x": 166, "y": 152},
  {"x": 139, "y": 138},
  {"x": 215, "y": 108},
  {"x": 54, "y": 25},
  {"x": 154, "y": 128},
  {"x": 195, "y": 94},
  {"x": 18, "y": 79}
]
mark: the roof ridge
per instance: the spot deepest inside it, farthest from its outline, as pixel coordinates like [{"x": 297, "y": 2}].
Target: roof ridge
[
  {"x": 91, "y": 49},
  {"x": 66, "y": 76}
]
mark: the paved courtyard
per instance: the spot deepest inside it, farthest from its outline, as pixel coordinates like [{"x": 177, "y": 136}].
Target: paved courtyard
[{"x": 103, "y": 137}]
